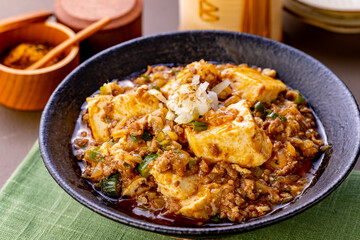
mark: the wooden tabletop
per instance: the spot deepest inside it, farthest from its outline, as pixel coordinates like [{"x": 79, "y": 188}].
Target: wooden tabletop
[{"x": 341, "y": 53}]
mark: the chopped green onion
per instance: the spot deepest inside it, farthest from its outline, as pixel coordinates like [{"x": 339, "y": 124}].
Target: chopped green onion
[
  {"x": 134, "y": 138},
  {"x": 282, "y": 118},
  {"x": 143, "y": 167},
  {"x": 199, "y": 126},
  {"x": 174, "y": 72},
  {"x": 216, "y": 218},
  {"x": 192, "y": 162},
  {"x": 95, "y": 155},
  {"x": 110, "y": 186},
  {"x": 146, "y": 136},
  {"x": 145, "y": 76},
  {"x": 163, "y": 143},
  {"x": 260, "y": 107},
  {"x": 126, "y": 165},
  {"x": 299, "y": 99},
  {"x": 272, "y": 115},
  {"x": 275, "y": 115},
  {"x": 156, "y": 87},
  {"x": 98, "y": 185}
]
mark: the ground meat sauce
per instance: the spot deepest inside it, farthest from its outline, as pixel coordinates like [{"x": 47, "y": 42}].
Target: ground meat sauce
[{"x": 149, "y": 144}]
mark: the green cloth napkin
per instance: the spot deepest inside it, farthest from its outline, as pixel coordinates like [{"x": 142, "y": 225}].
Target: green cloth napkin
[{"x": 33, "y": 206}]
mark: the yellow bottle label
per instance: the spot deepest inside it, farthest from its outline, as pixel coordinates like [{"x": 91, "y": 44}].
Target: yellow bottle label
[
  {"x": 207, "y": 11},
  {"x": 261, "y": 17}
]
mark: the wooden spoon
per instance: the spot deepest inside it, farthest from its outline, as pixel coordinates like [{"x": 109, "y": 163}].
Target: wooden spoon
[
  {"x": 86, "y": 32},
  {"x": 23, "y": 19}
]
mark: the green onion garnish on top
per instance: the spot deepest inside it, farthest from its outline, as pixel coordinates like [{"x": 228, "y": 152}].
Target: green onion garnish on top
[
  {"x": 156, "y": 87},
  {"x": 192, "y": 161},
  {"x": 95, "y": 155},
  {"x": 145, "y": 76},
  {"x": 260, "y": 107},
  {"x": 272, "y": 115},
  {"x": 199, "y": 126},
  {"x": 275, "y": 115},
  {"x": 175, "y": 72},
  {"x": 110, "y": 186},
  {"x": 134, "y": 138},
  {"x": 282, "y": 118},
  {"x": 299, "y": 99},
  {"x": 146, "y": 136},
  {"x": 216, "y": 218},
  {"x": 143, "y": 167}
]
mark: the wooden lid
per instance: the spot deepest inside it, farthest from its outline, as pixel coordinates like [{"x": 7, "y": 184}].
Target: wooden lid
[{"x": 81, "y": 13}]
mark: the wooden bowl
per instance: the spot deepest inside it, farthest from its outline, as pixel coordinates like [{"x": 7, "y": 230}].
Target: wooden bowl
[
  {"x": 126, "y": 19},
  {"x": 31, "y": 89}
]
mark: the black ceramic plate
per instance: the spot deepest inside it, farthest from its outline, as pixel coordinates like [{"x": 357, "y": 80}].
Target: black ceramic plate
[{"x": 328, "y": 96}]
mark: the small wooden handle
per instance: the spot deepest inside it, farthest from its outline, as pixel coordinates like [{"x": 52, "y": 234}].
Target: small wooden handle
[
  {"x": 23, "y": 19},
  {"x": 86, "y": 32}
]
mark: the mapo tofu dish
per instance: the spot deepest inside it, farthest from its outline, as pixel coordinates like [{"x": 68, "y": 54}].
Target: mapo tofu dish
[{"x": 205, "y": 142}]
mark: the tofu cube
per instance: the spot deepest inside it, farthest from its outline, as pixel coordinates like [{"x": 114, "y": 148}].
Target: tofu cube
[
  {"x": 241, "y": 142},
  {"x": 128, "y": 105},
  {"x": 248, "y": 83},
  {"x": 174, "y": 186}
]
